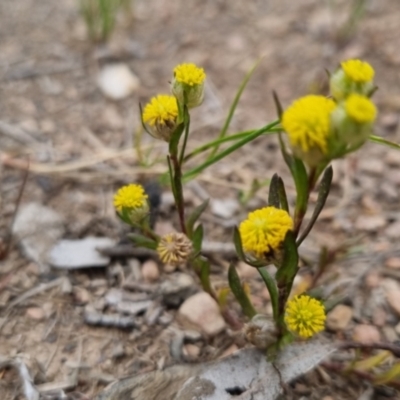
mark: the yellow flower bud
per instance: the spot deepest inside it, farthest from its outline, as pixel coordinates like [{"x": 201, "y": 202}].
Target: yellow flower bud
[
  {"x": 188, "y": 84},
  {"x": 353, "y": 76},
  {"x": 352, "y": 124},
  {"x": 131, "y": 201}
]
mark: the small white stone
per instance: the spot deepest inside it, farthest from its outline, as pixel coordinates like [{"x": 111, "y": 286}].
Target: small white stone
[
  {"x": 224, "y": 208},
  {"x": 202, "y": 310},
  {"x": 117, "y": 81},
  {"x": 150, "y": 271},
  {"x": 82, "y": 253}
]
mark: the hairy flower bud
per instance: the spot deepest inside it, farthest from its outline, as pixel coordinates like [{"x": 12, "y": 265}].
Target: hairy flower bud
[{"x": 188, "y": 85}]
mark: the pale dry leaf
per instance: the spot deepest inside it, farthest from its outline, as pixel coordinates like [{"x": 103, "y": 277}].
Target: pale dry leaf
[{"x": 246, "y": 373}]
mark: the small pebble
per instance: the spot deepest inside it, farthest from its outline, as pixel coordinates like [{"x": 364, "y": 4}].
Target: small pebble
[
  {"x": 393, "y": 262},
  {"x": 202, "y": 310},
  {"x": 191, "y": 350},
  {"x": 35, "y": 313},
  {"x": 150, "y": 271},
  {"x": 366, "y": 334},
  {"x": 81, "y": 295},
  {"x": 339, "y": 318}
]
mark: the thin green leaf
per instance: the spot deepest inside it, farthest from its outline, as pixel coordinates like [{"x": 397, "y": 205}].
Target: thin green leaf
[
  {"x": 194, "y": 216},
  {"x": 205, "y": 275},
  {"x": 270, "y": 283},
  {"x": 323, "y": 193},
  {"x": 385, "y": 142},
  {"x": 238, "y": 244},
  {"x": 288, "y": 269},
  {"x": 273, "y": 195},
  {"x": 234, "y": 105},
  {"x": 195, "y": 171},
  {"x": 141, "y": 120},
  {"x": 300, "y": 178},
  {"x": 239, "y": 292},
  {"x": 282, "y": 195},
  {"x": 197, "y": 238},
  {"x": 278, "y": 105},
  {"x": 142, "y": 241}
]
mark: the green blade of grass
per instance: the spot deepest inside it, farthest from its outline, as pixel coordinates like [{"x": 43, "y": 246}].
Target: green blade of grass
[
  {"x": 195, "y": 171},
  {"x": 234, "y": 105},
  {"x": 385, "y": 142}
]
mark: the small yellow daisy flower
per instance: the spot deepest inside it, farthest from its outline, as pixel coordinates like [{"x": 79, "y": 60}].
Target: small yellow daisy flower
[
  {"x": 161, "y": 114},
  {"x": 174, "y": 248},
  {"x": 264, "y": 230},
  {"x": 358, "y": 71},
  {"x": 130, "y": 197},
  {"x": 360, "y": 109},
  {"x": 188, "y": 84},
  {"x": 307, "y": 123},
  {"x": 305, "y": 316},
  {"x": 189, "y": 74}
]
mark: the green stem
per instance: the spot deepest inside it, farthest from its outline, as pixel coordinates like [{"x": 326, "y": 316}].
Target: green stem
[
  {"x": 299, "y": 215},
  {"x": 176, "y": 182}
]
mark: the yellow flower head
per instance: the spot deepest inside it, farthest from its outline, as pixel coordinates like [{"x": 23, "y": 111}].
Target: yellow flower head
[
  {"x": 307, "y": 123},
  {"x": 358, "y": 71},
  {"x": 174, "y": 248},
  {"x": 305, "y": 316},
  {"x": 188, "y": 84},
  {"x": 161, "y": 110},
  {"x": 130, "y": 197},
  {"x": 264, "y": 230},
  {"x": 360, "y": 109},
  {"x": 189, "y": 74}
]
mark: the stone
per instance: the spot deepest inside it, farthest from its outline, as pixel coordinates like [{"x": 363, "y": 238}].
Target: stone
[
  {"x": 176, "y": 289},
  {"x": 81, "y": 253},
  {"x": 202, "y": 310},
  {"x": 81, "y": 295},
  {"x": 393, "y": 262},
  {"x": 366, "y": 334},
  {"x": 35, "y": 313},
  {"x": 117, "y": 81},
  {"x": 38, "y": 228},
  {"x": 339, "y": 318},
  {"x": 224, "y": 208},
  {"x": 191, "y": 350},
  {"x": 370, "y": 223},
  {"x": 150, "y": 271}
]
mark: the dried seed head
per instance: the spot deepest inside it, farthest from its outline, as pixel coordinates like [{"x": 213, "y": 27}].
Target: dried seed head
[{"x": 174, "y": 248}]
